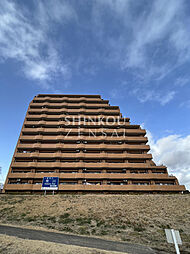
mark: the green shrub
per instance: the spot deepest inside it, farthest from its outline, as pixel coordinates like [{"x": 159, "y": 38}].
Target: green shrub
[
  {"x": 138, "y": 228},
  {"x": 83, "y": 221},
  {"x": 64, "y": 216}
]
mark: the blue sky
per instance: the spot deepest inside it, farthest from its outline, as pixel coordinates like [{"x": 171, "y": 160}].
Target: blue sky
[{"x": 134, "y": 53}]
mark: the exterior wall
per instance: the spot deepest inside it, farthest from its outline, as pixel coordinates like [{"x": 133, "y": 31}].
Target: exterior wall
[{"x": 61, "y": 138}]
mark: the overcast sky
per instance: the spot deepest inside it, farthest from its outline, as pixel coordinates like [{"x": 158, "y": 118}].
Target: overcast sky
[{"x": 134, "y": 53}]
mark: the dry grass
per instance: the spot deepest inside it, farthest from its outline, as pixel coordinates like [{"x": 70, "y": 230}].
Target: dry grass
[
  {"x": 14, "y": 245},
  {"x": 133, "y": 218}
]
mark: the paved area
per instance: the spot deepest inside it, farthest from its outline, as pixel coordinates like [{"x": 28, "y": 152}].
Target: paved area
[{"x": 75, "y": 240}]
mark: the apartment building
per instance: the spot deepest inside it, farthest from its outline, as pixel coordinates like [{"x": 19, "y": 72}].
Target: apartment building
[{"x": 87, "y": 143}]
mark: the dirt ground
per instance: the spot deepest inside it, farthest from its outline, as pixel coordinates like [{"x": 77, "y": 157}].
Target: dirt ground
[{"x": 132, "y": 218}]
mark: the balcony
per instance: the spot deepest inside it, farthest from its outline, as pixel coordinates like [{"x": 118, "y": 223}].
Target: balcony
[
  {"x": 85, "y": 175},
  {"x": 83, "y": 165},
  {"x": 60, "y": 117},
  {"x": 73, "y": 105},
  {"x": 87, "y": 131},
  {"x": 84, "y": 124},
  {"x": 83, "y": 155},
  {"x": 70, "y": 99},
  {"x": 74, "y": 110},
  {"x": 101, "y": 138},
  {"x": 84, "y": 146}
]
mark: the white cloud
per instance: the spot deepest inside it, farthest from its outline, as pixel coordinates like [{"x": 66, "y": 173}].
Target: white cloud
[
  {"x": 153, "y": 41},
  {"x": 153, "y": 27},
  {"x": 182, "y": 81},
  {"x": 180, "y": 40},
  {"x": 185, "y": 104},
  {"x": 174, "y": 152},
  {"x": 144, "y": 95},
  {"x": 147, "y": 40},
  {"x": 151, "y": 95},
  {"x": 147, "y": 31},
  {"x": 51, "y": 11},
  {"x": 119, "y": 6},
  {"x": 28, "y": 42}
]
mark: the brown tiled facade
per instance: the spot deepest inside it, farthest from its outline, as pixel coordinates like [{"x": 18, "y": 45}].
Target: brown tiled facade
[{"x": 87, "y": 144}]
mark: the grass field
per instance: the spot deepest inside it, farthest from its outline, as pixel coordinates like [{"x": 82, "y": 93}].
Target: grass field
[{"x": 133, "y": 218}]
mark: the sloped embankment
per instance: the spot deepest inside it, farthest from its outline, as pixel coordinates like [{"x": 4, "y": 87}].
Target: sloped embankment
[{"x": 133, "y": 218}]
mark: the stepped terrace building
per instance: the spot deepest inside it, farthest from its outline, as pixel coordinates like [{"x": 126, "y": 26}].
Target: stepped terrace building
[{"x": 88, "y": 145}]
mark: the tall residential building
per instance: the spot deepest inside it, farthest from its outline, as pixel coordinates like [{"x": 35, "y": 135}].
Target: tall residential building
[{"x": 87, "y": 144}]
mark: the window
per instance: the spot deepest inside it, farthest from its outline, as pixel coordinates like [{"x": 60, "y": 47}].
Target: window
[{"x": 68, "y": 182}]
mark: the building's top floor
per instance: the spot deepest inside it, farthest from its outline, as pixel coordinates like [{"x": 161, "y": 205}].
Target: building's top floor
[
  {"x": 69, "y": 98},
  {"x": 69, "y": 95}
]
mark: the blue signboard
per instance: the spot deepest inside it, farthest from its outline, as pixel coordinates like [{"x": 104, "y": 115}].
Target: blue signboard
[{"x": 50, "y": 183}]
